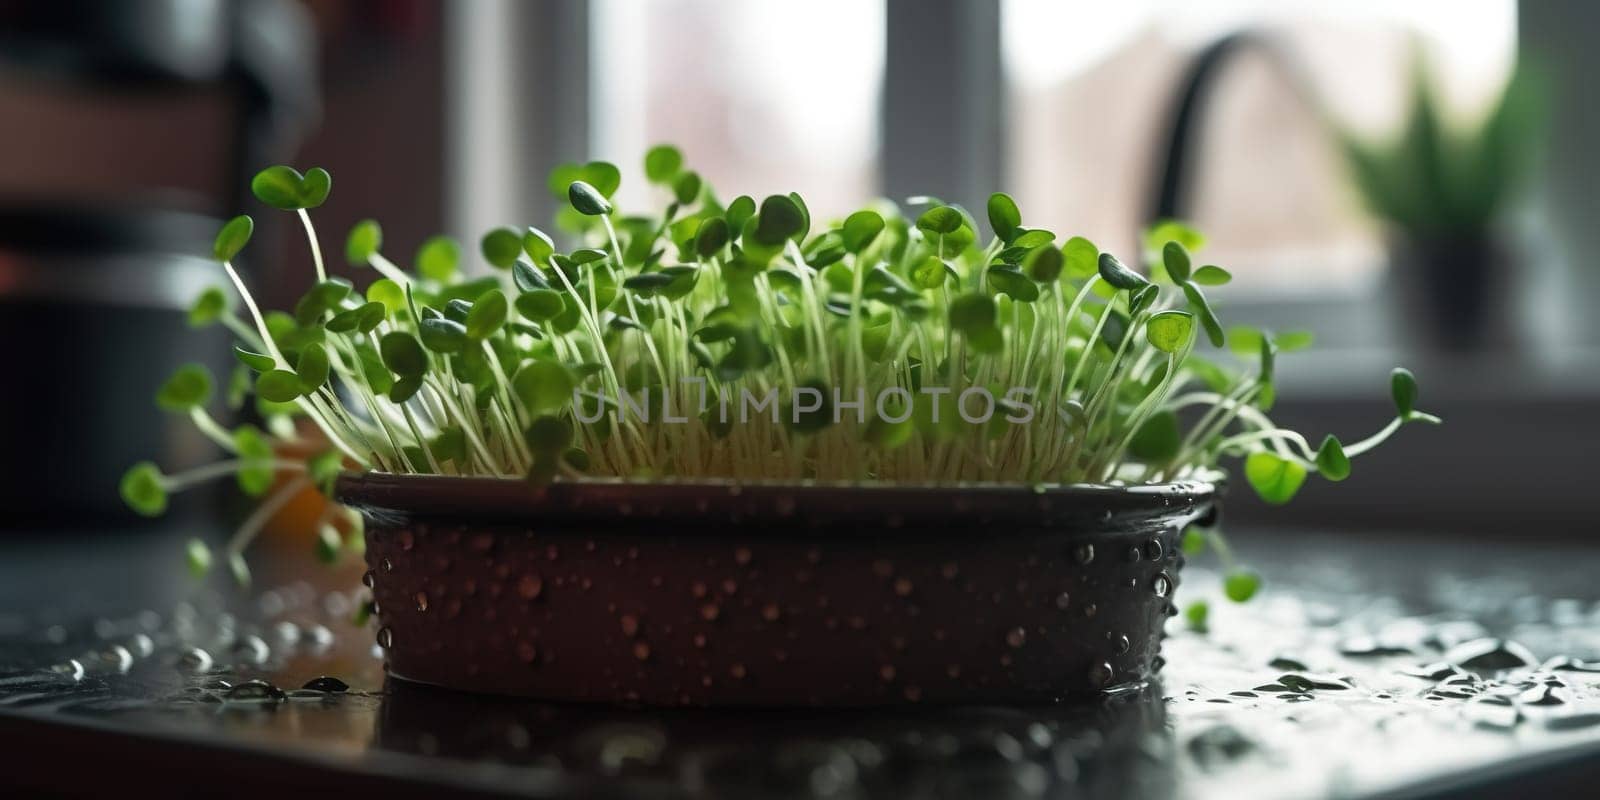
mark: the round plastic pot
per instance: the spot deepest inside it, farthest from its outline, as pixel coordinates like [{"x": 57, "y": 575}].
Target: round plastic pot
[{"x": 723, "y": 594}]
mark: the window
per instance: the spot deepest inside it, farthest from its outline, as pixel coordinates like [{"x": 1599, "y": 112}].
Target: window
[
  {"x": 1090, "y": 87},
  {"x": 763, "y": 96}
]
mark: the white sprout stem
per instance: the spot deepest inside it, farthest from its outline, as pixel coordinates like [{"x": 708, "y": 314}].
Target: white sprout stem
[
  {"x": 1276, "y": 435},
  {"x": 255, "y": 314},
  {"x": 263, "y": 514},
  {"x": 387, "y": 269},
  {"x": 241, "y": 329},
  {"x": 1375, "y": 439},
  {"x": 213, "y": 431},
  {"x": 219, "y": 469},
  {"x": 316, "y": 248}
]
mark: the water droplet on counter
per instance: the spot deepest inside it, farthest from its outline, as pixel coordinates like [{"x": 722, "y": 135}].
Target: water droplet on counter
[
  {"x": 1436, "y": 671},
  {"x": 72, "y": 668},
  {"x": 1489, "y": 655},
  {"x": 1308, "y": 682},
  {"x": 251, "y": 649},
  {"x": 325, "y": 683},
  {"x": 1220, "y": 744},
  {"x": 194, "y": 660},
  {"x": 254, "y": 691}
]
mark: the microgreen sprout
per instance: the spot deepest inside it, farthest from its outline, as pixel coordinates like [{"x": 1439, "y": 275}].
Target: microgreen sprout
[{"x": 743, "y": 340}]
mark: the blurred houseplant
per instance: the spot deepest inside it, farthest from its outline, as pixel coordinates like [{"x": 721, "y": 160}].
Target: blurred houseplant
[{"x": 1443, "y": 190}]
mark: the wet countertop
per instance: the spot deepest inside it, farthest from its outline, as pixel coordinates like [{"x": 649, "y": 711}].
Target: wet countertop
[{"x": 1370, "y": 665}]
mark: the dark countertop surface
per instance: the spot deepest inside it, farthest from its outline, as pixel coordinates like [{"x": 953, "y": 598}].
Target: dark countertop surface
[{"x": 1371, "y": 665}]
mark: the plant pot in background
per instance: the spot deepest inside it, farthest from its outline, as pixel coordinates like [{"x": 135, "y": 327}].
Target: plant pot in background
[
  {"x": 721, "y": 594},
  {"x": 92, "y": 303},
  {"x": 1453, "y": 290}
]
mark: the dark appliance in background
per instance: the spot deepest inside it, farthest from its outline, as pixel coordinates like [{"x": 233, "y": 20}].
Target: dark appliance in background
[{"x": 94, "y": 285}]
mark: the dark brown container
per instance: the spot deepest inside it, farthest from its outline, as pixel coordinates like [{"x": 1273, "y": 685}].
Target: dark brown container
[{"x": 714, "y": 593}]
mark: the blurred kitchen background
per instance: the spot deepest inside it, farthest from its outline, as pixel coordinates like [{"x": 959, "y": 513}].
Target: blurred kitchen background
[{"x": 1361, "y": 166}]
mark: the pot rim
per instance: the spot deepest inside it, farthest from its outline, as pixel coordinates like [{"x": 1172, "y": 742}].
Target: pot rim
[{"x": 912, "y": 508}]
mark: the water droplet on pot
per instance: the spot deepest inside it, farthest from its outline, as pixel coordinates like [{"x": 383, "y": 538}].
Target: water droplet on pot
[
  {"x": 700, "y": 640},
  {"x": 630, "y": 625},
  {"x": 1016, "y": 637},
  {"x": 737, "y": 670},
  {"x": 1100, "y": 675},
  {"x": 1090, "y": 610},
  {"x": 886, "y": 672},
  {"x": 530, "y": 586},
  {"x": 902, "y": 586},
  {"x": 422, "y": 601},
  {"x": 1063, "y": 600},
  {"x": 730, "y": 586},
  {"x": 527, "y": 653},
  {"x": 741, "y": 556},
  {"x": 1119, "y": 642},
  {"x": 407, "y": 541},
  {"x": 1153, "y": 550},
  {"x": 1134, "y": 554},
  {"x": 641, "y": 651},
  {"x": 770, "y": 612},
  {"x": 385, "y": 637},
  {"x": 710, "y": 611},
  {"x": 697, "y": 589},
  {"x": 1162, "y": 585},
  {"x": 949, "y": 570},
  {"x": 1084, "y": 553},
  {"x": 882, "y": 568},
  {"x": 388, "y": 566},
  {"x": 913, "y": 693}
]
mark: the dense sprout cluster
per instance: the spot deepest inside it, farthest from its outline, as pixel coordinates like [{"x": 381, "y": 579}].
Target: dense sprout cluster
[{"x": 747, "y": 340}]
